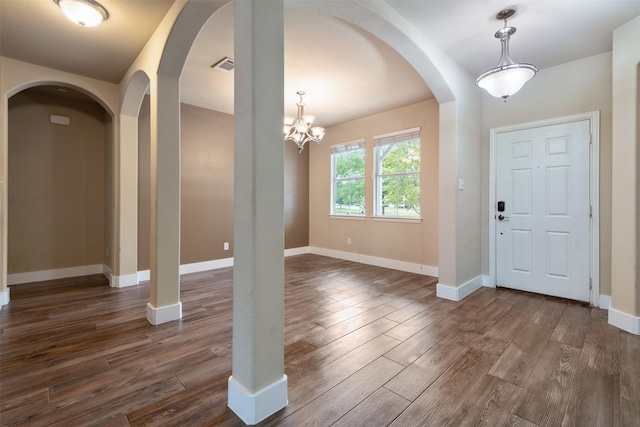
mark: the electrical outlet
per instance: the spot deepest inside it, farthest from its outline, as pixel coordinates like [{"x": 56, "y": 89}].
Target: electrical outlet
[
  {"x": 226, "y": 246},
  {"x": 349, "y": 241}
]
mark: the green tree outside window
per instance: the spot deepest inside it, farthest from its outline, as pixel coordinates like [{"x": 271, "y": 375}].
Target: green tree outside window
[
  {"x": 348, "y": 182},
  {"x": 398, "y": 179}
]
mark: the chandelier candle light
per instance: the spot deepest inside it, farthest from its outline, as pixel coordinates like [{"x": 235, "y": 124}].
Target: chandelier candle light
[
  {"x": 299, "y": 129},
  {"x": 508, "y": 77}
]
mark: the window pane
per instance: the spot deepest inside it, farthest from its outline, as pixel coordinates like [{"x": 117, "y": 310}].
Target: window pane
[
  {"x": 401, "y": 157},
  {"x": 401, "y": 196},
  {"x": 349, "y": 197},
  {"x": 349, "y": 164}
]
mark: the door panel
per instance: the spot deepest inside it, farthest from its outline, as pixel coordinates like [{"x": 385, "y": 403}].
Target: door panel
[
  {"x": 521, "y": 250},
  {"x": 521, "y": 191},
  {"x": 542, "y": 240}
]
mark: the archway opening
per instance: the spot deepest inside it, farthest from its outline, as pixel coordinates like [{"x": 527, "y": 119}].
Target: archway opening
[{"x": 60, "y": 184}]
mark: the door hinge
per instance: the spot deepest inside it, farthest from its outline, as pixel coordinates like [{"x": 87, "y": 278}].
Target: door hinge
[
  {"x": 590, "y": 283},
  {"x": 590, "y": 211},
  {"x": 590, "y": 139}
]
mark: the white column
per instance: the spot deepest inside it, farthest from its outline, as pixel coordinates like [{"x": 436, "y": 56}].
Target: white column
[
  {"x": 164, "y": 290},
  {"x": 258, "y": 386},
  {"x": 4, "y": 198}
]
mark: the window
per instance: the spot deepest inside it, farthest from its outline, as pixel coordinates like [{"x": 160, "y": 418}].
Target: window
[
  {"x": 347, "y": 167},
  {"x": 397, "y": 174}
]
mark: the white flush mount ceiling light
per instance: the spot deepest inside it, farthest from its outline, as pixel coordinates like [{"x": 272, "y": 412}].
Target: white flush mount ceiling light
[
  {"x": 508, "y": 77},
  {"x": 299, "y": 129},
  {"x": 86, "y": 13}
]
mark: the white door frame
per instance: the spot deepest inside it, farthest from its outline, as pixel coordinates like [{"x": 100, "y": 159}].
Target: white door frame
[{"x": 594, "y": 193}]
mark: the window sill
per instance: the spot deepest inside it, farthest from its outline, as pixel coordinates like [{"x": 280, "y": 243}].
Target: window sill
[
  {"x": 349, "y": 217},
  {"x": 397, "y": 219}
]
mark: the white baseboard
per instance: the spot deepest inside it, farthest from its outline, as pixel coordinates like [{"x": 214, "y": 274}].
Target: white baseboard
[
  {"x": 60, "y": 273},
  {"x": 197, "y": 267},
  {"x": 4, "y": 297},
  {"x": 144, "y": 275},
  {"x": 409, "y": 267},
  {"x": 255, "y": 407},
  {"x": 425, "y": 270},
  {"x": 165, "y": 314},
  {"x": 458, "y": 293},
  {"x": 297, "y": 251},
  {"x": 624, "y": 321},
  {"x": 605, "y": 302},
  {"x": 347, "y": 256}
]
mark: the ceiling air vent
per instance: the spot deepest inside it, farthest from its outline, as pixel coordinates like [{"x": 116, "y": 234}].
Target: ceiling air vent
[{"x": 224, "y": 65}]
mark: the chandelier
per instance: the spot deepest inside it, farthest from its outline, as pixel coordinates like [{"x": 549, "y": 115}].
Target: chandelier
[
  {"x": 299, "y": 129},
  {"x": 508, "y": 77}
]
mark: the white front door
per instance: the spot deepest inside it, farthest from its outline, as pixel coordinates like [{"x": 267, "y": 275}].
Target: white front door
[{"x": 542, "y": 235}]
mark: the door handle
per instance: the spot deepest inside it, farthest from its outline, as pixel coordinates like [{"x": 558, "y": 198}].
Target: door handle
[{"x": 503, "y": 218}]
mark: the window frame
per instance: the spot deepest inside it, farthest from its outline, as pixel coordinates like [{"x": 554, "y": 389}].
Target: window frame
[
  {"x": 394, "y": 138},
  {"x": 356, "y": 144}
]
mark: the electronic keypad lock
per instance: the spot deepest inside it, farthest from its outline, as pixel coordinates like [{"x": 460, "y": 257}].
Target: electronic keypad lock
[{"x": 500, "y": 206}]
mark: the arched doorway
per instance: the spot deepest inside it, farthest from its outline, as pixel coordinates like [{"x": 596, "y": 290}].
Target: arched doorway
[
  {"x": 59, "y": 184},
  {"x": 459, "y": 103},
  {"x": 133, "y": 209},
  {"x": 16, "y": 77}
]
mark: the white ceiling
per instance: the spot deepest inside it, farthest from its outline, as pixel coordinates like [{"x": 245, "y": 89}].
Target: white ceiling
[
  {"x": 36, "y": 31},
  {"x": 346, "y": 72}
]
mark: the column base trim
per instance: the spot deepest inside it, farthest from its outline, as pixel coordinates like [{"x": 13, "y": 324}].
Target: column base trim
[
  {"x": 456, "y": 294},
  {"x": 4, "y": 297},
  {"x": 159, "y": 315},
  {"x": 624, "y": 321},
  {"x": 253, "y": 408},
  {"x": 124, "y": 280}
]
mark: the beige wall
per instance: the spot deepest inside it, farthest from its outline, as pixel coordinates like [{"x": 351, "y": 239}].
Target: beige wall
[
  {"x": 207, "y": 184},
  {"x": 625, "y": 203},
  {"x": 296, "y": 197},
  {"x": 468, "y": 201},
  {"x": 56, "y": 183},
  {"x": 207, "y": 187},
  {"x": 401, "y": 241},
  {"x": 575, "y": 87},
  {"x": 144, "y": 185}
]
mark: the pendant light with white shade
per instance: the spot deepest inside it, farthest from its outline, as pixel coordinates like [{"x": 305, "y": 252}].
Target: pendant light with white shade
[{"x": 508, "y": 77}]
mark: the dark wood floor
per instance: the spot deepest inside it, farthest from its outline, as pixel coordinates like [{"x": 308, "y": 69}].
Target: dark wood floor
[{"x": 365, "y": 346}]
